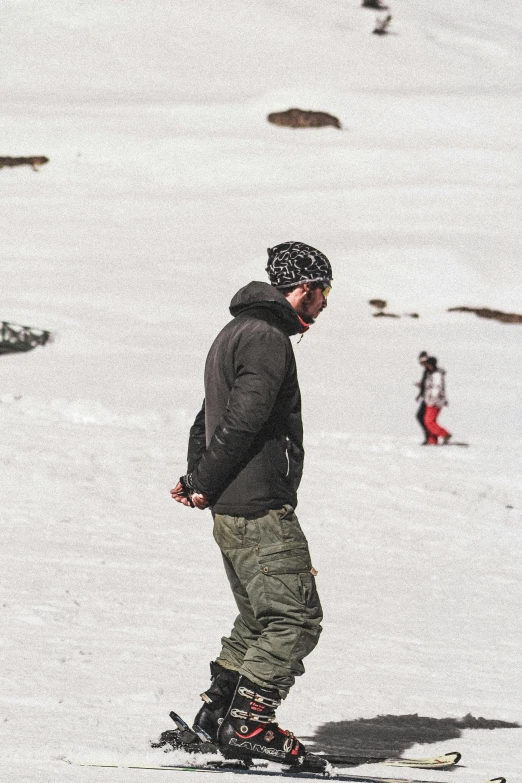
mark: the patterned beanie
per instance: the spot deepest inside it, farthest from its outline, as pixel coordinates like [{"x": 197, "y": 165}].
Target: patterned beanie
[{"x": 292, "y": 263}]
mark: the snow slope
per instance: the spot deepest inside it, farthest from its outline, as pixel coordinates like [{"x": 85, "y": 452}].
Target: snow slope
[{"x": 164, "y": 187}]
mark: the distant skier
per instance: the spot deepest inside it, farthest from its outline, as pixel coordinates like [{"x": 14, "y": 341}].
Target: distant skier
[
  {"x": 245, "y": 460},
  {"x": 423, "y": 356},
  {"x": 435, "y": 398}
]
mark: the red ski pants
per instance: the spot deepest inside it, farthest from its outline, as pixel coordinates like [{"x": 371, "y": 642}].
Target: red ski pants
[{"x": 430, "y": 420}]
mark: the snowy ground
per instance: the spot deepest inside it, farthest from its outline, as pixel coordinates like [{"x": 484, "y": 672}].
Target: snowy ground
[{"x": 165, "y": 185}]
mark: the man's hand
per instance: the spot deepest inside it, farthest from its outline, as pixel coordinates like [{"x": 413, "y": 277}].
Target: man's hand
[
  {"x": 200, "y": 501},
  {"x": 178, "y": 494},
  {"x": 182, "y": 494}
]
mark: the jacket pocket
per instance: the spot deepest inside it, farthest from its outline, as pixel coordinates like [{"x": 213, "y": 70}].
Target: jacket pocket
[{"x": 277, "y": 458}]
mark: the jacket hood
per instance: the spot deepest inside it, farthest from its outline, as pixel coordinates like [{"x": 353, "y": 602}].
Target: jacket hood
[{"x": 262, "y": 296}]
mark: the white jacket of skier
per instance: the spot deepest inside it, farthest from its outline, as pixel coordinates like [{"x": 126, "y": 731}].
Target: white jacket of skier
[{"x": 435, "y": 389}]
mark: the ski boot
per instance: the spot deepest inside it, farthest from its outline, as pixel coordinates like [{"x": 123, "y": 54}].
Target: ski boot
[
  {"x": 216, "y": 701},
  {"x": 249, "y": 730}
]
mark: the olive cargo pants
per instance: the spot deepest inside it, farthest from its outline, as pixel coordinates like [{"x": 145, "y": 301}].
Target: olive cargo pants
[{"x": 269, "y": 569}]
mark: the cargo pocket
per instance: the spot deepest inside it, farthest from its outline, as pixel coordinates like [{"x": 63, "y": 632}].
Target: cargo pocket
[
  {"x": 284, "y": 559},
  {"x": 310, "y": 595}
]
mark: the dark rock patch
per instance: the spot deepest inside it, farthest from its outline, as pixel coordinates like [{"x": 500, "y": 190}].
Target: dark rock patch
[
  {"x": 302, "y": 118},
  {"x": 35, "y": 161},
  {"x": 15, "y": 338},
  {"x": 381, "y": 25},
  {"x": 485, "y": 312},
  {"x": 380, "y": 304}
]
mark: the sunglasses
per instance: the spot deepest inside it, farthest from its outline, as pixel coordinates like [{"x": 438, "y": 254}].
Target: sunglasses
[{"x": 326, "y": 288}]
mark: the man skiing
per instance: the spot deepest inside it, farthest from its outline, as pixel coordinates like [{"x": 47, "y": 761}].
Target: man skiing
[
  {"x": 435, "y": 399},
  {"x": 245, "y": 461}
]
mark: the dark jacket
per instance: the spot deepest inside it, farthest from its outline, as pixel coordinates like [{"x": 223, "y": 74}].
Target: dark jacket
[
  {"x": 422, "y": 383},
  {"x": 246, "y": 444}
]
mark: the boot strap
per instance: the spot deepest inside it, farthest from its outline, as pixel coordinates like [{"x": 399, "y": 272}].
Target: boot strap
[
  {"x": 244, "y": 715},
  {"x": 253, "y": 696}
]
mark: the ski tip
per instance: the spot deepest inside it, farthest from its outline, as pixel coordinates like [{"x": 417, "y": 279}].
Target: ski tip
[
  {"x": 496, "y": 780},
  {"x": 443, "y": 761},
  {"x": 452, "y": 758}
]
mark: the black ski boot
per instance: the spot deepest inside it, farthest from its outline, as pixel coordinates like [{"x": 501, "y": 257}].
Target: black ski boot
[
  {"x": 217, "y": 701},
  {"x": 249, "y": 730}
]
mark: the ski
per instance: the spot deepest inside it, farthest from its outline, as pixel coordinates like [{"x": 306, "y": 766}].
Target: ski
[
  {"x": 241, "y": 769},
  {"x": 431, "y": 762},
  {"x": 185, "y": 738}
]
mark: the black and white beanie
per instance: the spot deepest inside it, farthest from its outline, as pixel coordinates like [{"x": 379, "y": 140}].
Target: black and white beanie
[{"x": 292, "y": 263}]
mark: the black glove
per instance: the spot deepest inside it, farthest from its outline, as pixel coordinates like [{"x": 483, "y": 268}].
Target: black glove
[{"x": 188, "y": 487}]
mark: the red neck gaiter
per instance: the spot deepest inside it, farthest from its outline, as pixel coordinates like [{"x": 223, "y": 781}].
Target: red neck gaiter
[{"x": 304, "y": 326}]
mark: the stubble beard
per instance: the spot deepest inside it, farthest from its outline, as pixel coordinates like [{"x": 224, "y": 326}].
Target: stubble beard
[{"x": 303, "y": 311}]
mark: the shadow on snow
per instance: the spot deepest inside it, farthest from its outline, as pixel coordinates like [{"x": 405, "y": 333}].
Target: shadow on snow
[{"x": 392, "y": 735}]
